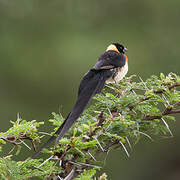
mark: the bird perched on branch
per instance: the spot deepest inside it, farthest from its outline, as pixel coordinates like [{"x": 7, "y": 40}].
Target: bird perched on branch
[{"x": 111, "y": 67}]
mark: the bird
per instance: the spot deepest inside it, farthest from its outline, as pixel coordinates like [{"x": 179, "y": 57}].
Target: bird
[{"x": 111, "y": 67}]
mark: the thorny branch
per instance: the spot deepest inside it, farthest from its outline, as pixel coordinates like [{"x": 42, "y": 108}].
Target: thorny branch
[
  {"x": 169, "y": 86},
  {"x": 167, "y": 111},
  {"x": 71, "y": 164},
  {"x": 70, "y": 169},
  {"x": 13, "y": 139}
]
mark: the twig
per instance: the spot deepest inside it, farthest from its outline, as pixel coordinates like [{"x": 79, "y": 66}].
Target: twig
[
  {"x": 173, "y": 111},
  {"x": 165, "y": 112},
  {"x": 110, "y": 145},
  {"x": 176, "y": 104},
  {"x": 169, "y": 87}
]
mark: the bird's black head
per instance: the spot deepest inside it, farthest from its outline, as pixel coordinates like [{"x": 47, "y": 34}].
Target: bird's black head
[
  {"x": 120, "y": 47},
  {"x": 117, "y": 48}
]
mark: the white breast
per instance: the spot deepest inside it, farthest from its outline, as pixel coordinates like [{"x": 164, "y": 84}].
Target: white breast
[{"x": 120, "y": 75}]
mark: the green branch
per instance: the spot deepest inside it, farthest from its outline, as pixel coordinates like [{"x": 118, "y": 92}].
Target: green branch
[{"x": 118, "y": 118}]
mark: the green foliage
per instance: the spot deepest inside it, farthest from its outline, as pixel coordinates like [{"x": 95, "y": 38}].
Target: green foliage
[
  {"x": 10, "y": 169},
  {"x": 57, "y": 120},
  {"x": 121, "y": 115},
  {"x": 20, "y": 131},
  {"x": 22, "y": 127},
  {"x": 86, "y": 175}
]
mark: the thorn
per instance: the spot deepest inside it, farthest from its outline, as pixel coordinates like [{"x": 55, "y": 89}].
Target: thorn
[
  {"x": 25, "y": 144},
  {"x": 84, "y": 164},
  {"x": 110, "y": 112},
  {"x": 134, "y": 111},
  {"x": 45, "y": 161},
  {"x": 45, "y": 133},
  {"x": 165, "y": 100},
  {"x": 143, "y": 83},
  {"x": 110, "y": 87},
  {"x": 166, "y": 124},
  {"x": 128, "y": 142},
  {"x": 92, "y": 156},
  {"x": 18, "y": 117},
  {"x": 60, "y": 177},
  {"x": 134, "y": 92},
  {"x": 11, "y": 150},
  {"x": 60, "y": 163},
  {"x": 79, "y": 151},
  {"x": 124, "y": 148},
  {"x": 108, "y": 126},
  {"x": 137, "y": 126},
  {"x": 105, "y": 159},
  {"x": 145, "y": 135},
  {"x": 99, "y": 144},
  {"x": 70, "y": 175}
]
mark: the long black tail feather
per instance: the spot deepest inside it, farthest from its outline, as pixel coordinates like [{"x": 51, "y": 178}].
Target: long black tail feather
[
  {"x": 93, "y": 82},
  {"x": 52, "y": 138}
]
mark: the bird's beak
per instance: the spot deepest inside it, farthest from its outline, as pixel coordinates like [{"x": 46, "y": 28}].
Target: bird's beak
[{"x": 125, "y": 49}]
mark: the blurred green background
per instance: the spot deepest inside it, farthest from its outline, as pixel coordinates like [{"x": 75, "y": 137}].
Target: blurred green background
[{"x": 47, "y": 46}]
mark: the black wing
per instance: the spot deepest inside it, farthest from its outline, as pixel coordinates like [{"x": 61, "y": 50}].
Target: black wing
[{"x": 110, "y": 60}]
